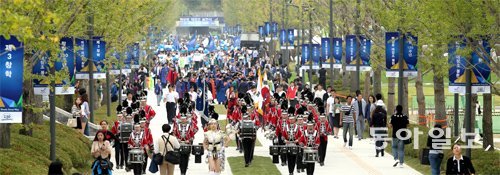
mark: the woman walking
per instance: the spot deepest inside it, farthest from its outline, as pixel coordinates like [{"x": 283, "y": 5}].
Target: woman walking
[
  {"x": 101, "y": 151},
  {"x": 85, "y": 112},
  {"x": 76, "y": 110},
  {"x": 215, "y": 142},
  {"x": 379, "y": 125}
]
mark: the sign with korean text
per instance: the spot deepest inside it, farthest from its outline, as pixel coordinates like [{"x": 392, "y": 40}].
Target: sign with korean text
[{"x": 11, "y": 80}]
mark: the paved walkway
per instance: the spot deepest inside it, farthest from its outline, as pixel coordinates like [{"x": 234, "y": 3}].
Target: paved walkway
[{"x": 339, "y": 160}]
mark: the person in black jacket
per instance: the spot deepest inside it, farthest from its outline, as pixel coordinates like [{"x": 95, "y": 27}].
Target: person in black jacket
[
  {"x": 459, "y": 164},
  {"x": 434, "y": 142},
  {"x": 379, "y": 126}
]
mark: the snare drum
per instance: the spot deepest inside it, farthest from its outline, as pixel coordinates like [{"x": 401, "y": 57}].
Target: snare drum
[
  {"x": 310, "y": 155},
  {"x": 197, "y": 150},
  {"x": 247, "y": 129},
  {"x": 284, "y": 150},
  {"x": 136, "y": 155},
  {"x": 274, "y": 150},
  {"x": 294, "y": 150},
  {"x": 185, "y": 149}
]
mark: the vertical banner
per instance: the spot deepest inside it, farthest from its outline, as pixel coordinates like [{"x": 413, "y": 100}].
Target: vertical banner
[
  {"x": 267, "y": 31},
  {"x": 267, "y": 27},
  {"x": 66, "y": 64},
  {"x": 392, "y": 53},
  {"x": 98, "y": 56},
  {"x": 11, "y": 80},
  {"x": 481, "y": 71},
  {"x": 275, "y": 30},
  {"x": 261, "y": 33},
  {"x": 350, "y": 49},
  {"x": 291, "y": 38},
  {"x": 305, "y": 55},
  {"x": 480, "y": 68},
  {"x": 135, "y": 56},
  {"x": 283, "y": 38},
  {"x": 41, "y": 69},
  {"x": 316, "y": 54},
  {"x": 81, "y": 55},
  {"x": 456, "y": 72},
  {"x": 364, "y": 53},
  {"x": 325, "y": 52},
  {"x": 410, "y": 55},
  {"x": 337, "y": 53}
]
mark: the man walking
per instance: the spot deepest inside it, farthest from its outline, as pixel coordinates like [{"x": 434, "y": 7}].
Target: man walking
[{"x": 359, "y": 105}]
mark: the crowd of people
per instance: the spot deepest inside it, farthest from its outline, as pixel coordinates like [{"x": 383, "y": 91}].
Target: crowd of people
[{"x": 258, "y": 95}]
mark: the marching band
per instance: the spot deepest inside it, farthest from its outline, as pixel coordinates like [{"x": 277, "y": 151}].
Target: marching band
[{"x": 294, "y": 124}]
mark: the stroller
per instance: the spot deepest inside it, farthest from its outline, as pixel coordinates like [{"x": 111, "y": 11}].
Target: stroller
[{"x": 102, "y": 167}]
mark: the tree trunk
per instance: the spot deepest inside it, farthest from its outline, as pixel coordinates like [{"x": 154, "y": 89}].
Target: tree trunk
[
  {"x": 68, "y": 102},
  {"x": 377, "y": 80},
  {"x": 420, "y": 99},
  {"x": 5, "y": 136},
  {"x": 405, "y": 96},
  {"x": 474, "y": 113},
  {"x": 353, "y": 81},
  {"x": 366, "y": 88},
  {"x": 390, "y": 96},
  {"x": 346, "y": 76},
  {"x": 32, "y": 105},
  {"x": 439, "y": 101},
  {"x": 487, "y": 123}
]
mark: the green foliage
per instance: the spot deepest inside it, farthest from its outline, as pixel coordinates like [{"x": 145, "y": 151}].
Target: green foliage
[{"x": 72, "y": 149}]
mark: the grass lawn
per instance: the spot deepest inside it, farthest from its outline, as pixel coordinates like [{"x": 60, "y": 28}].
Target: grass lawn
[
  {"x": 260, "y": 165},
  {"x": 30, "y": 154},
  {"x": 101, "y": 113},
  {"x": 223, "y": 123}
]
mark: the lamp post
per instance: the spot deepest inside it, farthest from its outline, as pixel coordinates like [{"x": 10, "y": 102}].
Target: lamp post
[
  {"x": 310, "y": 47},
  {"x": 330, "y": 36}
]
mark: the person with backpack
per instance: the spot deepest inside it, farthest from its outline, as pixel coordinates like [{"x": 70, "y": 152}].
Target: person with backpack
[
  {"x": 399, "y": 121},
  {"x": 164, "y": 144}
]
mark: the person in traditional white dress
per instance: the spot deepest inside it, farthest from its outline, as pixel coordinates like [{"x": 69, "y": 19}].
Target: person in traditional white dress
[{"x": 214, "y": 143}]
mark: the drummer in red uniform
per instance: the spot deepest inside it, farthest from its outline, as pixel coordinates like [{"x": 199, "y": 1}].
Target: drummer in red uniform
[
  {"x": 139, "y": 139},
  {"x": 310, "y": 141},
  {"x": 291, "y": 134},
  {"x": 185, "y": 130},
  {"x": 323, "y": 127}
]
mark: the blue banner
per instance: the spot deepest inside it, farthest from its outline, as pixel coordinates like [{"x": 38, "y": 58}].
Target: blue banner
[
  {"x": 68, "y": 60},
  {"x": 283, "y": 38},
  {"x": 350, "y": 48},
  {"x": 391, "y": 51},
  {"x": 291, "y": 37},
  {"x": 364, "y": 54},
  {"x": 98, "y": 56},
  {"x": 325, "y": 49},
  {"x": 316, "y": 53},
  {"x": 82, "y": 53},
  {"x": 480, "y": 62},
  {"x": 305, "y": 54},
  {"x": 11, "y": 80},
  {"x": 337, "y": 51},
  {"x": 115, "y": 67},
  {"x": 261, "y": 31},
  {"x": 410, "y": 52},
  {"x": 275, "y": 30},
  {"x": 457, "y": 64},
  {"x": 267, "y": 27},
  {"x": 41, "y": 68}
]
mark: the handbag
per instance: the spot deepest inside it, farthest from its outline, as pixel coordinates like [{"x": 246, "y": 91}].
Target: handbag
[
  {"x": 407, "y": 141},
  {"x": 72, "y": 123},
  {"x": 174, "y": 156},
  {"x": 424, "y": 157}
]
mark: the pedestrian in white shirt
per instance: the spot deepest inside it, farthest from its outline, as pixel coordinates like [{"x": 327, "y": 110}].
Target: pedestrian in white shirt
[{"x": 171, "y": 98}]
